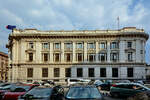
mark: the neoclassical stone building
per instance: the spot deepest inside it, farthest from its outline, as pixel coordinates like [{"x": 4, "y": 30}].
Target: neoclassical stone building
[
  {"x": 3, "y": 66},
  {"x": 56, "y": 55}
]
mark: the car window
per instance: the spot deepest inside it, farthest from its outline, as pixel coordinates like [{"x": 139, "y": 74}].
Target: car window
[
  {"x": 83, "y": 92},
  {"x": 39, "y": 93}
]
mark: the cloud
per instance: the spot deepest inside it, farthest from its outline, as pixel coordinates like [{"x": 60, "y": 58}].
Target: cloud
[{"x": 74, "y": 14}]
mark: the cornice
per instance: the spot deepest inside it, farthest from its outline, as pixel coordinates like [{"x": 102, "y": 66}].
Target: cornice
[{"x": 71, "y": 64}]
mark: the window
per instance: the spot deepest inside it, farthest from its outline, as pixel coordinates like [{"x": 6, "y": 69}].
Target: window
[
  {"x": 79, "y": 72},
  {"x": 56, "y": 57},
  {"x": 102, "y": 72},
  {"x": 68, "y": 57},
  {"x": 91, "y": 45},
  {"x": 31, "y": 45},
  {"x": 102, "y": 57},
  {"x": 29, "y": 72},
  {"x": 129, "y": 45},
  {"x": 44, "y": 72},
  {"x": 91, "y": 57},
  {"x": 79, "y": 45},
  {"x": 45, "y": 45},
  {"x": 30, "y": 56},
  {"x": 56, "y": 72},
  {"x": 129, "y": 56},
  {"x": 79, "y": 57},
  {"x": 68, "y": 45},
  {"x": 57, "y": 46},
  {"x": 114, "y": 45},
  {"x": 91, "y": 72},
  {"x": 130, "y": 72},
  {"x": 114, "y": 56},
  {"x": 68, "y": 72},
  {"x": 103, "y": 45},
  {"x": 114, "y": 72},
  {"x": 45, "y": 57}
]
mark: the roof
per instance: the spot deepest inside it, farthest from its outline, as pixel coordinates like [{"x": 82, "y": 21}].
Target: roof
[{"x": 3, "y": 54}]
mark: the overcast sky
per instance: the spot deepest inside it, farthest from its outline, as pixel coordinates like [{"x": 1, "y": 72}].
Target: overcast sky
[{"x": 73, "y": 15}]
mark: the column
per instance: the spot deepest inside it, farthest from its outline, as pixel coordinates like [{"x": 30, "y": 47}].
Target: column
[
  {"x": 122, "y": 57},
  {"x": 85, "y": 51},
  {"x": 62, "y": 75},
  {"x": 62, "y": 51},
  {"x": 38, "y": 53},
  {"x": 138, "y": 48},
  {"x": 74, "y": 54},
  {"x": 51, "y": 51},
  {"x": 23, "y": 53},
  {"x": 108, "y": 51},
  {"x": 97, "y": 51}
]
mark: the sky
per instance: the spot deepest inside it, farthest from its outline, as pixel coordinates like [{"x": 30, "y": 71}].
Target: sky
[{"x": 73, "y": 15}]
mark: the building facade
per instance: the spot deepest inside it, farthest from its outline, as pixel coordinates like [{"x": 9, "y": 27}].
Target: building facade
[
  {"x": 3, "y": 66},
  {"x": 57, "y": 55}
]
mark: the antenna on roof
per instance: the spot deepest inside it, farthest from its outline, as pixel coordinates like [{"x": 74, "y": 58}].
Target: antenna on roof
[{"x": 118, "y": 22}]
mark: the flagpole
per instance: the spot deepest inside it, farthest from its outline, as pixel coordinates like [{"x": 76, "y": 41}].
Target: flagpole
[{"x": 118, "y": 22}]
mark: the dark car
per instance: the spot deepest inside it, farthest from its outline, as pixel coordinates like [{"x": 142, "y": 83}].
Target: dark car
[
  {"x": 44, "y": 93},
  {"x": 83, "y": 93},
  {"x": 17, "y": 91},
  {"x": 127, "y": 89}
]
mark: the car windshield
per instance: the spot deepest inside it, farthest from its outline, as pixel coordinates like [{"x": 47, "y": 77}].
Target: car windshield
[
  {"x": 38, "y": 93},
  {"x": 20, "y": 88},
  {"x": 83, "y": 93}
]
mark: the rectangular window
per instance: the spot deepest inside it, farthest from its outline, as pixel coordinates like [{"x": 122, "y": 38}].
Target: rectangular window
[
  {"x": 130, "y": 56},
  {"x": 31, "y": 45},
  {"x": 68, "y": 45},
  {"x": 68, "y": 72},
  {"x": 79, "y": 57},
  {"x": 114, "y": 56},
  {"x": 91, "y": 57},
  {"x": 91, "y": 45},
  {"x": 79, "y": 72},
  {"x": 56, "y": 72},
  {"x": 102, "y": 72},
  {"x": 79, "y": 45},
  {"x": 102, "y": 57},
  {"x": 129, "y": 45},
  {"x": 130, "y": 72},
  {"x": 45, "y": 56},
  {"x": 114, "y": 72},
  {"x": 103, "y": 45},
  {"x": 30, "y": 56},
  {"x": 29, "y": 72},
  {"x": 44, "y": 72},
  {"x": 56, "y": 45},
  {"x": 91, "y": 72},
  {"x": 68, "y": 57},
  {"x": 114, "y": 45},
  {"x": 56, "y": 57},
  {"x": 45, "y": 45}
]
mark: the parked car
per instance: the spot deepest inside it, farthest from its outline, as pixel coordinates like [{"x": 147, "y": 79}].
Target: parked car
[
  {"x": 17, "y": 91},
  {"x": 44, "y": 93},
  {"x": 83, "y": 93},
  {"x": 127, "y": 89},
  {"x": 72, "y": 81}
]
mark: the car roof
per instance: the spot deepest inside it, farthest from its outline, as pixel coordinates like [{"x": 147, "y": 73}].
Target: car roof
[
  {"x": 128, "y": 84},
  {"x": 76, "y": 86}
]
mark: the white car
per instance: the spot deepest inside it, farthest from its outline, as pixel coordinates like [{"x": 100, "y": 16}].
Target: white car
[{"x": 71, "y": 81}]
